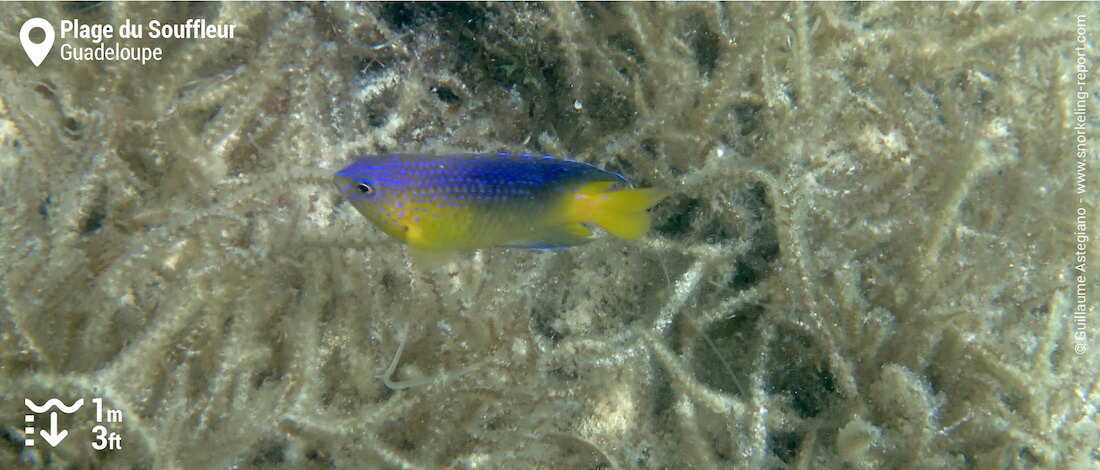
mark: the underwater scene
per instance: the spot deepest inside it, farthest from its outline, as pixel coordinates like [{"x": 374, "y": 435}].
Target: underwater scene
[{"x": 551, "y": 235}]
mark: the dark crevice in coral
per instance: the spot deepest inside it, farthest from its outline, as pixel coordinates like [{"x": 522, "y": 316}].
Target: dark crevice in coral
[
  {"x": 227, "y": 325},
  {"x": 541, "y": 319},
  {"x": 733, "y": 338},
  {"x": 97, "y": 213},
  {"x": 609, "y": 109},
  {"x": 328, "y": 311},
  {"x": 793, "y": 93},
  {"x": 406, "y": 445},
  {"x": 134, "y": 150},
  {"x": 376, "y": 118},
  {"x": 46, "y": 90},
  {"x": 388, "y": 281},
  {"x": 269, "y": 453},
  {"x": 754, "y": 266},
  {"x": 44, "y": 208},
  {"x": 445, "y": 94},
  {"x": 746, "y": 130},
  {"x": 15, "y": 438},
  {"x": 684, "y": 210},
  {"x": 696, "y": 219},
  {"x": 664, "y": 397},
  {"x": 565, "y": 373},
  {"x": 800, "y": 372},
  {"x": 625, "y": 43},
  {"x": 74, "y": 127},
  {"x": 675, "y": 338},
  {"x": 715, "y": 231},
  {"x": 705, "y": 44},
  {"x": 757, "y": 263},
  {"x": 747, "y": 118},
  {"x": 316, "y": 455},
  {"x": 784, "y": 445},
  {"x": 449, "y": 16},
  {"x": 261, "y": 377}
]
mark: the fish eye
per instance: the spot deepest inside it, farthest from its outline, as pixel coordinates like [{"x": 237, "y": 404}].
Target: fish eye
[{"x": 364, "y": 188}]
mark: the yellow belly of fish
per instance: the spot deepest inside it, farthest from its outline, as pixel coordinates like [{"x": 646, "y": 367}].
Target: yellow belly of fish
[
  {"x": 622, "y": 213},
  {"x": 456, "y": 229}
]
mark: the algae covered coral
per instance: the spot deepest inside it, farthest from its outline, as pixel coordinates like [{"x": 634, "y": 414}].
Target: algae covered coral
[{"x": 868, "y": 261}]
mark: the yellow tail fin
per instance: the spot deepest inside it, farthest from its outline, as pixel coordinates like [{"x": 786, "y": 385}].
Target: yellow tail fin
[{"x": 621, "y": 213}]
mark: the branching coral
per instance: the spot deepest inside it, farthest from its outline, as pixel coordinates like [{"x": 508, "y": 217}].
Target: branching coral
[{"x": 865, "y": 263}]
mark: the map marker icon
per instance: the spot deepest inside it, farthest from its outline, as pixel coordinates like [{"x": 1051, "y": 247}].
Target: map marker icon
[{"x": 37, "y": 52}]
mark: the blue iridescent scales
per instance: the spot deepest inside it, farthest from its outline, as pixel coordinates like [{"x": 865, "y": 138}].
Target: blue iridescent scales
[{"x": 469, "y": 201}]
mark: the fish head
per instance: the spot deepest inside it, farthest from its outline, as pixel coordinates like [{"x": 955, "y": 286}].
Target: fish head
[{"x": 366, "y": 187}]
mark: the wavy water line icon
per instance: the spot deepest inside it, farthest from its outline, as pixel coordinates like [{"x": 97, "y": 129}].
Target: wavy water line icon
[{"x": 52, "y": 403}]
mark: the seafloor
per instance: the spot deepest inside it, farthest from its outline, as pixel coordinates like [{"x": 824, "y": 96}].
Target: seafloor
[{"x": 868, "y": 261}]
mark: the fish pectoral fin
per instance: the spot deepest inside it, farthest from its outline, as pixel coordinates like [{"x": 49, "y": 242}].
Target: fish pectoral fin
[{"x": 563, "y": 236}]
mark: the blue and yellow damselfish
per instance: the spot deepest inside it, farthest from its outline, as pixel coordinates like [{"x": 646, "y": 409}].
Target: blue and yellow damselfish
[{"x": 470, "y": 201}]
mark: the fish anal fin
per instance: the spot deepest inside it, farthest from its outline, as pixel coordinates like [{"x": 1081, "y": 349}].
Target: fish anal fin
[{"x": 563, "y": 236}]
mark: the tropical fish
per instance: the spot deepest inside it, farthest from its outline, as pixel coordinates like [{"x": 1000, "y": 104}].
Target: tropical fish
[{"x": 469, "y": 201}]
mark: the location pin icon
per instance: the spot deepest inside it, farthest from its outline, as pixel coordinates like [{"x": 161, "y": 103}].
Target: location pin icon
[{"x": 37, "y": 52}]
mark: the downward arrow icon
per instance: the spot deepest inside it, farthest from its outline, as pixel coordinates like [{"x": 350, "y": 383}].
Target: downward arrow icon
[{"x": 53, "y": 436}]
